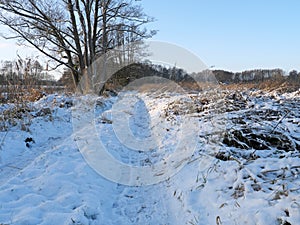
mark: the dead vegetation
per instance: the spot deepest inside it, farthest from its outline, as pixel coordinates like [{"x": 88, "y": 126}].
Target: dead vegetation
[{"x": 280, "y": 85}]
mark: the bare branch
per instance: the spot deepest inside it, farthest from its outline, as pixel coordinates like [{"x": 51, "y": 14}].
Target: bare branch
[{"x": 74, "y": 32}]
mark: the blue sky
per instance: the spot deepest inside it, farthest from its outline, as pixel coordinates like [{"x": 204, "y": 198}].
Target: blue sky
[
  {"x": 231, "y": 34},
  {"x": 228, "y": 34}
]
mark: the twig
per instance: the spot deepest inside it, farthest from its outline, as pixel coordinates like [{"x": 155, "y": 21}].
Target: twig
[
  {"x": 14, "y": 167},
  {"x": 2, "y": 141},
  {"x": 280, "y": 121}
]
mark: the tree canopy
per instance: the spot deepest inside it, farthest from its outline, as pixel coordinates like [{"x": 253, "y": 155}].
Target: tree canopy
[{"x": 74, "y": 33}]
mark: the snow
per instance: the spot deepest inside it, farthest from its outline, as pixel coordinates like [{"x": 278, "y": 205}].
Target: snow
[{"x": 53, "y": 181}]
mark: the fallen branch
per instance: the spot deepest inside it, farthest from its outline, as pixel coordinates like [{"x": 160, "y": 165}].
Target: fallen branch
[
  {"x": 3, "y": 139},
  {"x": 280, "y": 121}
]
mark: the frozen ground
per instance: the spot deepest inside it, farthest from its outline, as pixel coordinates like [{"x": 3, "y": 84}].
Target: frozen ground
[{"x": 244, "y": 170}]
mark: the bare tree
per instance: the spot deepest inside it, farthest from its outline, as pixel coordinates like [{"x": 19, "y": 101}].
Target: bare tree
[{"x": 74, "y": 33}]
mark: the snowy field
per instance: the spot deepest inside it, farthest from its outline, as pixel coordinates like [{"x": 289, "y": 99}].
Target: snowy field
[{"x": 244, "y": 168}]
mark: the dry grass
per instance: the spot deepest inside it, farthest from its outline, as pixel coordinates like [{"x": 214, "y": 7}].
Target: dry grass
[
  {"x": 161, "y": 86},
  {"x": 33, "y": 95},
  {"x": 280, "y": 85},
  {"x": 19, "y": 112}
]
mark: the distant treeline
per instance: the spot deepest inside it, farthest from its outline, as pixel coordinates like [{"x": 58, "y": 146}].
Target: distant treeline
[
  {"x": 135, "y": 71},
  {"x": 14, "y": 80},
  {"x": 257, "y": 75},
  {"x": 24, "y": 72},
  {"x": 139, "y": 70}
]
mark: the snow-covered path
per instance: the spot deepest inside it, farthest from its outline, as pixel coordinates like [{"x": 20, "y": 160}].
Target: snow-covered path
[
  {"x": 51, "y": 183},
  {"x": 58, "y": 187}
]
